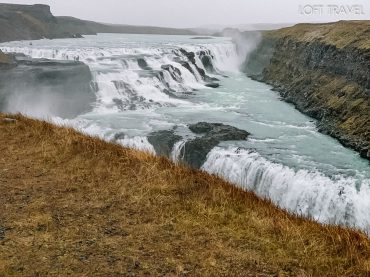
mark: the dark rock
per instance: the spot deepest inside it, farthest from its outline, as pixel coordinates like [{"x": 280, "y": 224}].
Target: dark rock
[
  {"x": 163, "y": 141},
  {"x": 201, "y": 38},
  {"x": 189, "y": 55},
  {"x": 119, "y": 136},
  {"x": 207, "y": 63},
  {"x": 202, "y": 127},
  {"x": 2, "y": 232},
  {"x": 174, "y": 72},
  {"x": 213, "y": 85},
  {"x": 206, "y": 58},
  {"x": 77, "y": 36},
  {"x": 218, "y": 131},
  {"x": 365, "y": 153},
  {"x": 191, "y": 60},
  {"x": 211, "y": 79},
  {"x": 195, "y": 151},
  {"x": 53, "y": 88},
  {"x": 143, "y": 64}
]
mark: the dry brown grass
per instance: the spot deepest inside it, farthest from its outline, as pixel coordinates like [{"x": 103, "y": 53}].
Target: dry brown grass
[
  {"x": 341, "y": 33},
  {"x": 75, "y": 205}
]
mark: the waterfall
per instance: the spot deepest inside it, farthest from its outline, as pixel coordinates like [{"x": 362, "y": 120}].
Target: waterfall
[
  {"x": 134, "y": 77},
  {"x": 329, "y": 200},
  {"x": 143, "y": 85},
  {"x": 177, "y": 151}
]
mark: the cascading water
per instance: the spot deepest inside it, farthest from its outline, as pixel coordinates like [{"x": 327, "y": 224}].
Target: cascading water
[
  {"x": 308, "y": 193},
  {"x": 146, "y": 83},
  {"x": 177, "y": 154},
  {"x": 136, "y": 77}
]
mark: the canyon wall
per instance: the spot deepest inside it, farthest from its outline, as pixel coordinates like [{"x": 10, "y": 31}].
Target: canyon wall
[{"x": 324, "y": 70}]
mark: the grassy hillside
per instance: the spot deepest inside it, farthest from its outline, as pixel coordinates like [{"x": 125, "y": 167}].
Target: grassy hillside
[
  {"x": 340, "y": 34},
  {"x": 73, "y": 204}
]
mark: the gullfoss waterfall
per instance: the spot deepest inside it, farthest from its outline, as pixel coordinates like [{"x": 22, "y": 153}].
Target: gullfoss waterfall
[{"x": 145, "y": 84}]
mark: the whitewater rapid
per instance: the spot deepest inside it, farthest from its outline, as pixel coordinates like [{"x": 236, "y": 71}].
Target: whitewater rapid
[{"x": 146, "y": 83}]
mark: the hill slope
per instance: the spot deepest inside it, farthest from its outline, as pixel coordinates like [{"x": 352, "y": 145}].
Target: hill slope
[
  {"x": 72, "y": 204},
  {"x": 26, "y": 22}
]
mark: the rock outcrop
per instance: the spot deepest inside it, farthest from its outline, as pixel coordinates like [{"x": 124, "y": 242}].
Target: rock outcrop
[
  {"x": 30, "y": 22},
  {"x": 51, "y": 88},
  {"x": 324, "y": 70},
  {"x": 163, "y": 141},
  {"x": 195, "y": 151},
  {"x": 191, "y": 65}
]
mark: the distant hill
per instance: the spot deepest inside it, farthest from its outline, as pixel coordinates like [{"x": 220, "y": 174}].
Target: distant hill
[{"x": 26, "y": 22}]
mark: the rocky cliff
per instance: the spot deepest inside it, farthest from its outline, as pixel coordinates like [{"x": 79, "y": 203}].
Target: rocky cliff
[
  {"x": 42, "y": 87},
  {"x": 324, "y": 70},
  {"x": 26, "y": 22},
  {"x": 21, "y": 22}
]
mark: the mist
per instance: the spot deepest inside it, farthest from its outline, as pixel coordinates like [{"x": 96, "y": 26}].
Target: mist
[{"x": 45, "y": 89}]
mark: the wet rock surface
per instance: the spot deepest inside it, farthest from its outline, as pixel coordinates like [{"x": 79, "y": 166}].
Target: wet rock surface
[
  {"x": 163, "y": 141},
  {"x": 206, "y": 60},
  {"x": 54, "y": 88},
  {"x": 143, "y": 64},
  {"x": 195, "y": 151},
  {"x": 174, "y": 72}
]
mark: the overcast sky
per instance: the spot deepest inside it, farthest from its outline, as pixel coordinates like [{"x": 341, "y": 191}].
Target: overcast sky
[{"x": 193, "y": 13}]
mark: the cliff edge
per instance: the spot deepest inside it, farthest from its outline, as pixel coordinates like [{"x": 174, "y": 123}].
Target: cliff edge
[
  {"x": 324, "y": 70},
  {"x": 30, "y": 22}
]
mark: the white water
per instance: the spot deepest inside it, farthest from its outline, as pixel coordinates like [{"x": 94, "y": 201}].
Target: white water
[
  {"x": 309, "y": 193},
  {"x": 285, "y": 159}
]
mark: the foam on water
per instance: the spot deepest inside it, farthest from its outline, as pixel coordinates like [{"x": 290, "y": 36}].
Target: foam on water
[
  {"x": 176, "y": 155},
  {"x": 328, "y": 200},
  {"x": 132, "y": 76}
]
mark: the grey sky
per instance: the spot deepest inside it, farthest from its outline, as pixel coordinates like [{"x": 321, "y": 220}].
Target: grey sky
[{"x": 193, "y": 13}]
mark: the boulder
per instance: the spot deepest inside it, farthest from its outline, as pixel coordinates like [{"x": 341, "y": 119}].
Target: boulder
[
  {"x": 213, "y": 85},
  {"x": 195, "y": 151},
  {"x": 143, "y": 64},
  {"x": 163, "y": 141}
]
